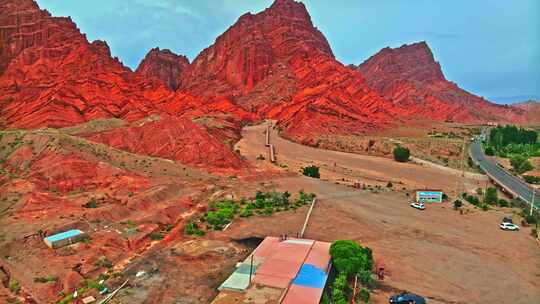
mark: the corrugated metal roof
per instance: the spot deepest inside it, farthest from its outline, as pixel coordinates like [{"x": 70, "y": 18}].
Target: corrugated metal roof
[{"x": 63, "y": 235}]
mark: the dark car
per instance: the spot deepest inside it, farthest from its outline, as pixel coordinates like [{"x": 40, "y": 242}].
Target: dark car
[
  {"x": 407, "y": 298},
  {"x": 507, "y": 219}
]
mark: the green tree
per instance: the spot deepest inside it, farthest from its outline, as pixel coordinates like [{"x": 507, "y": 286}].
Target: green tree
[
  {"x": 350, "y": 258},
  {"x": 520, "y": 164},
  {"x": 311, "y": 171},
  {"x": 401, "y": 154},
  {"x": 491, "y": 196},
  {"x": 489, "y": 151}
]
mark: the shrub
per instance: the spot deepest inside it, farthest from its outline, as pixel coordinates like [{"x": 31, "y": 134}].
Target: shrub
[
  {"x": 457, "y": 204},
  {"x": 156, "y": 236},
  {"x": 45, "y": 279},
  {"x": 311, "y": 171},
  {"x": 531, "y": 219},
  {"x": 14, "y": 286},
  {"x": 491, "y": 196},
  {"x": 401, "y": 154},
  {"x": 503, "y": 203},
  {"x": 472, "y": 199},
  {"x": 246, "y": 212},
  {"x": 520, "y": 164},
  {"x": 484, "y": 207},
  {"x": 489, "y": 151},
  {"x": 363, "y": 296},
  {"x": 389, "y": 185},
  {"x": 104, "y": 262},
  {"x": 444, "y": 196},
  {"x": 92, "y": 203},
  {"x": 534, "y": 232},
  {"x": 532, "y": 179}
]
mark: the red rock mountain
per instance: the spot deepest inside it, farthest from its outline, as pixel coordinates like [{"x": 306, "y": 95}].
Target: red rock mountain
[
  {"x": 279, "y": 65},
  {"x": 273, "y": 64},
  {"x": 52, "y": 76},
  {"x": 163, "y": 65},
  {"x": 410, "y": 77}
]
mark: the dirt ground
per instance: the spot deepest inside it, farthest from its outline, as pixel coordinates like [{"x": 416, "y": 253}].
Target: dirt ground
[
  {"x": 444, "y": 255},
  {"x": 347, "y": 167}
]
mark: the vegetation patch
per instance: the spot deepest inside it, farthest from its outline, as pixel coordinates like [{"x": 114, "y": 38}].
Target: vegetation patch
[
  {"x": 221, "y": 213},
  {"x": 350, "y": 260}
]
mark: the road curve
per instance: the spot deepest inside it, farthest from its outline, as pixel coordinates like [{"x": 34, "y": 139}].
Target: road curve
[{"x": 503, "y": 177}]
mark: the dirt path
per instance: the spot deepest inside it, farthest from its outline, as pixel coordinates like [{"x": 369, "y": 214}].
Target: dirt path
[{"x": 347, "y": 167}]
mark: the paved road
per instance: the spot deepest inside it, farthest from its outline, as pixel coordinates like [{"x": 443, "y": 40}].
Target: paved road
[{"x": 508, "y": 180}]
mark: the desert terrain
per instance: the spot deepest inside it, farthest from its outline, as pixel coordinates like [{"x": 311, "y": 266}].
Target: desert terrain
[{"x": 138, "y": 158}]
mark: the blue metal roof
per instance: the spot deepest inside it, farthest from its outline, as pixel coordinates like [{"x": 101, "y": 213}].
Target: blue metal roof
[
  {"x": 310, "y": 276},
  {"x": 63, "y": 235}
]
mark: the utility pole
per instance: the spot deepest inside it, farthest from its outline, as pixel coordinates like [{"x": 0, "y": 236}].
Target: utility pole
[{"x": 532, "y": 201}]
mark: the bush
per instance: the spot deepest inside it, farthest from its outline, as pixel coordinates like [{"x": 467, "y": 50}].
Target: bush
[
  {"x": 401, "y": 154},
  {"x": 534, "y": 233},
  {"x": 484, "y": 207},
  {"x": 457, "y": 204},
  {"x": 14, "y": 286},
  {"x": 156, "y": 236},
  {"x": 503, "y": 203},
  {"x": 532, "y": 179},
  {"x": 311, "y": 171},
  {"x": 389, "y": 185},
  {"x": 489, "y": 151},
  {"x": 472, "y": 199},
  {"x": 45, "y": 279},
  {"x": 520, "y": 164},
  {"x": 92, "y": 203},
  {"x": 444, "y": 196},
  {"x": 363, "y": 296},
  {"x": 531, "y": 219},
  {"x": 191, "y": 228},
  {"x": 491, "y": 196}
]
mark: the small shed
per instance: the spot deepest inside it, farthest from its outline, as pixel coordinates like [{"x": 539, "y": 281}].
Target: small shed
[
  {"x": 65, "y": 238},
  {"x": 429, "y": 196}
]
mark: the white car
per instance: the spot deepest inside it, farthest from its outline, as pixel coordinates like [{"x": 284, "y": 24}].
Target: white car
[
  {"x": 419, "y": 206},
  {"x": 509, "y": 226}
]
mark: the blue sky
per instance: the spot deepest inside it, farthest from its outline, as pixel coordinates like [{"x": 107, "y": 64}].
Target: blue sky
[{"x": 489, "y": 47}]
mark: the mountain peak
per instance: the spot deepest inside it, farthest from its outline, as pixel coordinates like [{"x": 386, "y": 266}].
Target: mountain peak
[
  {"x": 164, "y": 65},
  {"x": 410, "y": 61}
]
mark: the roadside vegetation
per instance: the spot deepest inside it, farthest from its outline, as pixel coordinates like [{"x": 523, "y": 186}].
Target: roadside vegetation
[
  {"x": 350, "y": 260},
  {"x": 517, "y": 144},
  {"x": 221, "y": 213}
]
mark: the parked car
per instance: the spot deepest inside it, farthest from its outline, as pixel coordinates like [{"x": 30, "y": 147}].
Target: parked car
[
  {"x": 407, "y": 298},
  {"x": 509, "y": 226},
  {"x": 419, "y": 206},
  {"x": 507, "y": 219}
]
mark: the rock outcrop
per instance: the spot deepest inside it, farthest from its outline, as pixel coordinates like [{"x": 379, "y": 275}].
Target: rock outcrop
[
  {"x": 163, "y": 65},
  {"x": 179, "y": 139}
]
